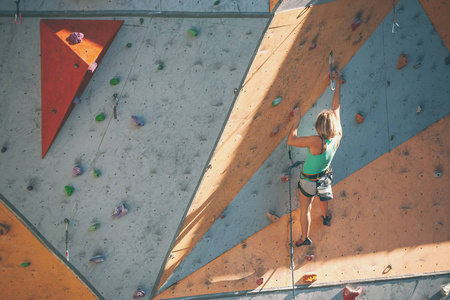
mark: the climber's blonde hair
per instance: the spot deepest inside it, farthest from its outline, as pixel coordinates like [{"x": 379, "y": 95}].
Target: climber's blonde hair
[{"x": 327, "y": 125}]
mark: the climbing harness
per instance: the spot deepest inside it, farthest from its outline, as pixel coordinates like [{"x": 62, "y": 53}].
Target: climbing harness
[
  {"x": 331, "y": 61},
  {"x": 293, "y": 165},
  {"x": 395, "y": 25},
  {"x": 18, "y": 14}
]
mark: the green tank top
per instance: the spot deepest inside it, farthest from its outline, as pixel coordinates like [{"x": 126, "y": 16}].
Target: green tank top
[{"x": 315, "y": 164}]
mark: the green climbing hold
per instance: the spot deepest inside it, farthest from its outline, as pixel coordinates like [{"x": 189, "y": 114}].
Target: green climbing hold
[
  {"x": 114, "y": 81},
  {"x": 99, "y": 118},
  {"x": 276, "y": 101},
  {"x": 129, "y": 45},
  {"x": 193, "y": 32},
  {"x": 160, "y": 67},
  {"x": 24, "y": 265},
  {"x": 217, "y": 2},
  {"x": 97, "y": 173},
  {"x": 94, "y": 226},
  {"x": 69, "y": 190}
]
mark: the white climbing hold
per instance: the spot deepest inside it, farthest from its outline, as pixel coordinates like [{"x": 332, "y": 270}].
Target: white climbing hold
[
  {"x": 445, "y": 291},
  {"x": 419, "y": 109}
]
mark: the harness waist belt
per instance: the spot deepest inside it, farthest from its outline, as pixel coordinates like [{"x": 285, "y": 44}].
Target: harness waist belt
[{"x": 314, "y": 177}]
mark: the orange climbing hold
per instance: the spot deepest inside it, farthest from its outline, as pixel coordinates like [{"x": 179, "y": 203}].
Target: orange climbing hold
[
  {"x": 402, "y": 61},
  {"x": 359, "y": 118},
  {"x": 309, "y": 278},
  {"x": 350, "y": 294},
  {"x": 67, "y": 67}
]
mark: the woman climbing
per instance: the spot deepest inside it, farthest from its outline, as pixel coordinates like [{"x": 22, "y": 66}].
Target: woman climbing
[{"x": 316, "y": 175}]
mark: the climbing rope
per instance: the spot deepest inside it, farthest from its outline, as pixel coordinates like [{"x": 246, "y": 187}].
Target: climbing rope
[
  {"x": 293, "y": 165},
  {"x": 331, "y": 61},
  {"x": 395, "y": 25},
  {"x": 18, "y": 14}
]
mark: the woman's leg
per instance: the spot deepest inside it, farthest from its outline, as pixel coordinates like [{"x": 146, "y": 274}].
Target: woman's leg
[
  {"x": 324, "y": 208},
  {"x": 305, "y": 213}
]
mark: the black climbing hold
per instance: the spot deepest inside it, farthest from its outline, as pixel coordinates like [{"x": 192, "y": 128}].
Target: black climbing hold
[
  {"x": 4, "y": 149},
  {"x": 129, "y": 45}
]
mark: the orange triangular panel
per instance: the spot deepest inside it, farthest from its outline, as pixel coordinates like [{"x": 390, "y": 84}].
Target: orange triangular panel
[{"x": 65, "y": 67}]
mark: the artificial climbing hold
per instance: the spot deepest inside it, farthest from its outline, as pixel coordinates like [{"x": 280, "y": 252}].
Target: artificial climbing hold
[
  {"x": 312, "y": 46},
  {"x": 3, "y": 229},
  {"x": 343, "y": 81},
  {"x": 4, "y": 149},
  {"x": 69, "y": 190},
  {"x": 309, "y": 278},
  {"x": 358, "y": 39},
  {"x": 359, "y": 118},
  {"x": 96, "y": 173},
  {"x": 94, "y": 226},
  {"x": 92, "y": 67},
  {"x": 114, "y": 81},
  {"x": 274, "y": 132},
  {"x": 53, "y": 111},
  {"x": 402, "y": 61},
  {"x": 309, "y": 257},
  {"x": 30, "y": 187},
  {"x": 350, "y": 294},
  {"x": 259, "y": 281},
  {"x": 416, "y": 66},
  {"x": 25, "y": 264},
  {"x": 97, "y": 259},
  {"x": 276, "y": 101},
  {"x": 77, "y": 170},
  {"x": 141, "y": 20},
  {"x": 447, "y": 60},
  {"x": 160, "y": 67},
  {"x": 193, "y": 32},
  {"x": 137, "y": 121},
  {"x": 222, "y": 216},
  {"x": 77, "y": 100},
  {"x": 129, "y": 45},
  {"x": 419, "y": 109},
  {"x": 139, "y": 293},
  {"x": 356, "y": 24},
  {"x": 437, "y": 174},
  {"x": 272, "y": 217},
  {"x": 100, "y": 117},
  {"x": 76, "y": 37},
  {"x": 445, "y": 290},
  {"x": 120, "y": 211},
  {"x": 216, "y": 3},
  {"x": 285, "y": 177}
]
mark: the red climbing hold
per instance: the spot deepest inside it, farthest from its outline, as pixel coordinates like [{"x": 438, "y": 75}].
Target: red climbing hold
[
  {"x": 309, "y": 257},
  {"x": 350, "y": 294},
  {"x": 312, "y": 46},
  {"x": 359, "y": 118},
  {"x": 259, "y": 281},
  {"x": 222, "y": 216},
  {"x": 356, "y": 24},
  {"x": 61, "y": 82},
  {"x": 402, "y": 61}
]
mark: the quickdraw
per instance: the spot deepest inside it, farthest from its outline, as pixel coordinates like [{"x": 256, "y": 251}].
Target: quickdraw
[
  {"x": 18, "y": 14},
  {"x": 332, "y": 81},
  {"x": 395, "y": 25}
]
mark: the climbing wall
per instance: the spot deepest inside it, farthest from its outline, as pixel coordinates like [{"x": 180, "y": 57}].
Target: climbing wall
[
  {"x": 379, "y": 229},
  {"x": 29, "y": 265},
  {"x": 153, "y": 169},
  {"x": 292, "y": 63}
]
